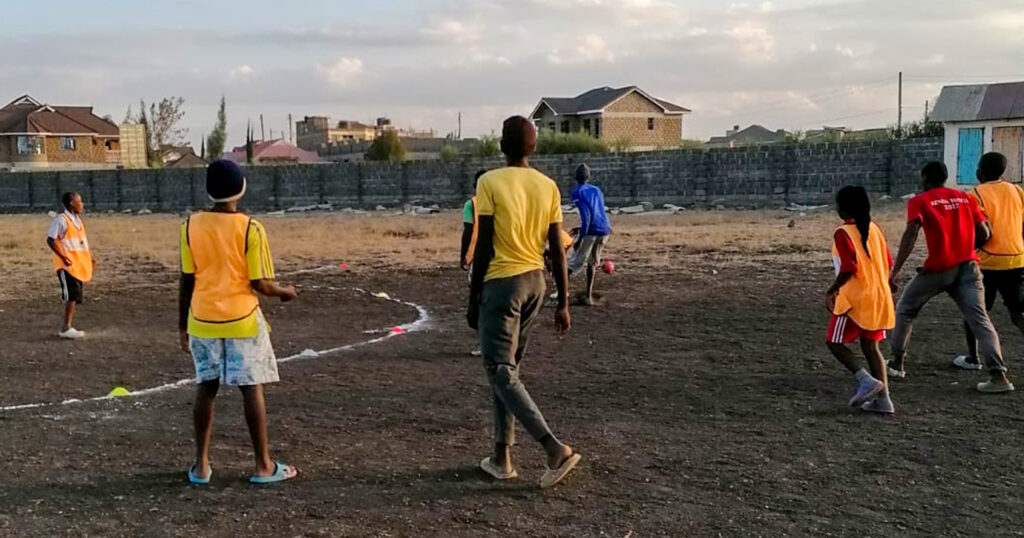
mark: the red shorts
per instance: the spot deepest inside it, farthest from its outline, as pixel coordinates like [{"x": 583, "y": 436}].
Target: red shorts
[{"x": 842, "y": 330}]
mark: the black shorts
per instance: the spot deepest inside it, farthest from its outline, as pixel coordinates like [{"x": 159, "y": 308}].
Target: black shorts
[
  {"x": 70, "y": 287},
  {"x": 1009, "y": 284}
]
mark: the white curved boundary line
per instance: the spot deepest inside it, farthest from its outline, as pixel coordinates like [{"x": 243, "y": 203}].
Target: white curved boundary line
[{"x": 419, "y": 324}]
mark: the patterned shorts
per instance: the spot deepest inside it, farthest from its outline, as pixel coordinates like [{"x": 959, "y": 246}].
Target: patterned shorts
[{"x": 236, "y": 361}]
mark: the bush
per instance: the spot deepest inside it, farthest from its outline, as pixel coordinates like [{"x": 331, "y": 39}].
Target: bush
[
  {"x": 620, "y": 145},
  {"x": 691, "y": 143},
  {"x": 551, "y": 143},
  {"x": 386, "y": 147},
  {"x": 917, "y": 129},
  {"x": 487, "y": 146},
  {"x": 449, "y": 153}
]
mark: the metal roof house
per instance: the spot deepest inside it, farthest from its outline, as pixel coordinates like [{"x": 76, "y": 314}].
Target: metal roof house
[{"x": 979, "y": 118}]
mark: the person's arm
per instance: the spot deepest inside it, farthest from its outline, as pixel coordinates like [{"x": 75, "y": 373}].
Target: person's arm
[
  {"x": 55, "y": 247},
  {"x": 467, "y": 238},
  {"x": 270, "y": 288},
  {"x": 906, "y": 248},
  {"x": 186, "y": 287},
  {"x": 982, "y": 233},
  {"x": 481, "y": 262},
  {"x": 560, "y": 271}
]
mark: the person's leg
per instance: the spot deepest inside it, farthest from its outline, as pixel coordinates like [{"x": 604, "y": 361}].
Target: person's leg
[
  {"x": 845, "y": 357},
  {"x": 581, "y": 253},
  {"x": 69, "y": 315},
  {"x": 504, "y": 434},
  {"x": 256, "y": 420},
  {"x": 202, "y": 419},
  {"x": 992, "y": 283},
  {"x": 968, "y": 295},
  {"x": 1011, "y": 288},
  {"x": 918, "y": 292},
  {"x": 876, "y": 362}
]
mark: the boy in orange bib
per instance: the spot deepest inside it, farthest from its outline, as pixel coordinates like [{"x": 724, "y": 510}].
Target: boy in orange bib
[
  {"x": 72, "y": 260},
  {"x": 225, "y": 264},
  {"x": 860, "y": 299}
]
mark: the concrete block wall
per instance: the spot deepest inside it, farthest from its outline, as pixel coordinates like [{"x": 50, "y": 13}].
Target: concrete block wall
[{"x": 751, "y": 176}]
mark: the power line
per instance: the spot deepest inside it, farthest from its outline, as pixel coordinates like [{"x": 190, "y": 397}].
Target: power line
[
  {"x": 822, "y": 96},
  {"x": 864, "y": 114}
]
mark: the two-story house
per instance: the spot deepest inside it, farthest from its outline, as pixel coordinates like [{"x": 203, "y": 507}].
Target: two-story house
[
  {"x": 628, "y": 116},
  {"x": 36, "y": 135}
]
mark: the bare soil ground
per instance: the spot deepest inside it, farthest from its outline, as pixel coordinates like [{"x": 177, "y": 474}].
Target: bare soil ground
[{"x": 700, "y": 394}]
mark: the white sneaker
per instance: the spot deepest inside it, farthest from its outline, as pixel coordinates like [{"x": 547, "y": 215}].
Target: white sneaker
[
  {"x": 966, "y": 362},
  {"x": 898, "y": 374},
  {"x": 866, "y": 390},
  {"x": 72, "y": 334},
  {"x": 881, "y": 405}
]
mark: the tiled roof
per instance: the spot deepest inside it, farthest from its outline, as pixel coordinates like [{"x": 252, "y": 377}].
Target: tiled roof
[
  {"x": 25, "y": 115},
  {"x": 599, "y": 98}
]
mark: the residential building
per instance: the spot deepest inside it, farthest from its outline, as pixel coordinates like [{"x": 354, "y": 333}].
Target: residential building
[
  {"x": 278, "y": 151},
  {"x": 979, "y": 118},
  {"x": 384, "y": 124},
  {"x": 133, "y": 146},
  {"x": 314, "y": 132},
  {"x": 628, "y": 116},
  {"x": 35, "y": 135},
  {"x": 754, "y": 135},
  {"x": 185, "y": 157}
]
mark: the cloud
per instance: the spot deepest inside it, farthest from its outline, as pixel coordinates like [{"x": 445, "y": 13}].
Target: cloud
[
  {"x": 341, "y": 72},
  {"x": 452, "y": 31},
  {"x": 241, "y": 72},
  {"x": 754, "y": 41}
]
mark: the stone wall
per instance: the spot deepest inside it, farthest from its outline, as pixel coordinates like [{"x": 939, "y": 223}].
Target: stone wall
[{"x": 753, "y": 176}]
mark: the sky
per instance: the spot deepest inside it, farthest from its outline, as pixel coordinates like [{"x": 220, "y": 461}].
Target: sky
[{"x": 793, "y": 64}]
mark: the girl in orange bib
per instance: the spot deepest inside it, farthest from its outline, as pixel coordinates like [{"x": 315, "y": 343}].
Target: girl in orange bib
[{"x": 860, "y": 299}]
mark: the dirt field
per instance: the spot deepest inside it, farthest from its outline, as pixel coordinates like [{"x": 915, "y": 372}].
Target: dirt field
[{"x": 701, "y": 396}]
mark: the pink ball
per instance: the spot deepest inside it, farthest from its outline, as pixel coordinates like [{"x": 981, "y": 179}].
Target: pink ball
[{"x": 608, "y": 267}]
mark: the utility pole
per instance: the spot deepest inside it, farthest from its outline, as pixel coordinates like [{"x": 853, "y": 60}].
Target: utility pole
[
  {"x": 263, "y": 133},
  {"x": 459, "y": 137},
  {"x": 926, "y": 111},
  {"x": 899, "y": 113},
  {"x": 291, "y": 137}
]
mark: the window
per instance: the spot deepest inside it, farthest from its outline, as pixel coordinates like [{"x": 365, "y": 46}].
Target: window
[
  {"x": 67, "y": 143},
  {"x": 551, "y": 126},
  {"x": 565, "y": 126},
  {"x": 30, "y": 145},
  {"x": 586, "y": 126},
  {"x": 597, "y": 127},
  {"x": 650, "y": 124}
]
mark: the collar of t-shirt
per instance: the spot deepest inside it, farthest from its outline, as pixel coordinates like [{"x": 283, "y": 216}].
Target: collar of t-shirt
[{"x": 75, "y": 219}]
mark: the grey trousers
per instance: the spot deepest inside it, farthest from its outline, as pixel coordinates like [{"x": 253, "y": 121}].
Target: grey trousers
[
  {"x": 963, "y": 284},
  {"x": 508, "y": 309}
]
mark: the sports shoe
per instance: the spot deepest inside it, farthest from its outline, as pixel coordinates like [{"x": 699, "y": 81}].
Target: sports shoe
[
  {"x": 866, "y": 390},
  {"x": 994, "y": 387},
  {"x": 966, "y": 362},
  {"x": 881, "y": 405},
  {"x": 893, "y": 372},
  {"x": 72, "y": 334}
]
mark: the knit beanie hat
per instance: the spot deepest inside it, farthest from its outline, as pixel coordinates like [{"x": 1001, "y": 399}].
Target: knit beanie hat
[
  {"x": 225, "y": 181},
  {"x": 582, "y": 173}
]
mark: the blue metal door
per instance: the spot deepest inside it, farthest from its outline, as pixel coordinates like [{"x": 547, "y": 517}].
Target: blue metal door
[{"x": 968, "y": 155}]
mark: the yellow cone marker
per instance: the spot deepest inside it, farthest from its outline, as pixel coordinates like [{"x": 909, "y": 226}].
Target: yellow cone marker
[{"x": 119, "y": 391}]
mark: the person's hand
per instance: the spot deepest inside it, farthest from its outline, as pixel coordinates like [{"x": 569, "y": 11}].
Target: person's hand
[
  {"x": 183, "y": 338},
  {"x": 830, "y": 300},
  {"x": 894, "y": 281},
  {"x": 562, "y": 320},
  {"x": 288, "y": 293},
  {"x": 66, "y": 260},
  {"x": 465, "y": 266}
]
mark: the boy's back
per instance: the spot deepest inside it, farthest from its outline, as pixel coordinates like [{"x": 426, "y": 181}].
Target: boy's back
[
  {"x": 524, "y": 204},
  {"x": 1003, "y": 205}
]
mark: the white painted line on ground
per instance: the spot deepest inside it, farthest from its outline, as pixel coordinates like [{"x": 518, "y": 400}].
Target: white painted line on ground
[{"x": 419, "y": 324}]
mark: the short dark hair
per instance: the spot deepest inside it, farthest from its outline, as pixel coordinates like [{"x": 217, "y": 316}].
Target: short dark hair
[
  {"x": 935, "y": 174},
  {"x": 518, "y": 137},
  {"x": 66, "y": 198},
  {"x": 992, "y": 166},
  {"x": 479, "y": 174}
]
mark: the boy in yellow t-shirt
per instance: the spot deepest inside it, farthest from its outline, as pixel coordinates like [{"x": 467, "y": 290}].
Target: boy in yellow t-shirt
[
  {"x": 1002, "y": 257},
  {"x": 225, "y": 262},
  {"x": 519, "y": 211}
]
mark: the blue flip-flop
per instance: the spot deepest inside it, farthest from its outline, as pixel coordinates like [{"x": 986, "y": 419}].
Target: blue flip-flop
[
  {"x": 196, "y": 480},
  {"x": 282, "y": 472}
]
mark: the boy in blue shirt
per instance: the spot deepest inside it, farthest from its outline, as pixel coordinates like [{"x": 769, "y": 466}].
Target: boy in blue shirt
[{"x": 594, "y": 228}]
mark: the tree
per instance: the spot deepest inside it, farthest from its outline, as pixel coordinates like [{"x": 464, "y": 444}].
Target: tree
[
  {"x": 219, "y": 136},
  {"x": 163, "y": 121},
  {"x": 248, "y": 143},
  {"x": 552, "y": 143},
  {"x": 202, "y": 150},
  {"x": 386, "y": 147},
  {"x": 129, "y": 117},
  {"x": 450, "y": 152},
  {"x": 916, "y": 129},
  {"x": 143, "y": 120}
]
